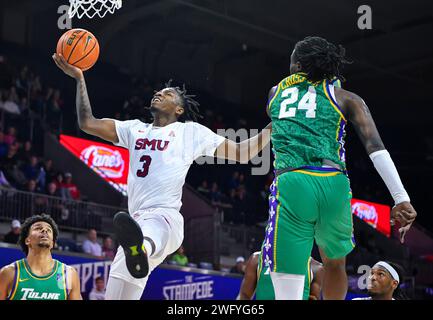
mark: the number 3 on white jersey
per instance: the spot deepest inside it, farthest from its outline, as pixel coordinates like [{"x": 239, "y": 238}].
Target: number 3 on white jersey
[{"x": 308, "y": 102}]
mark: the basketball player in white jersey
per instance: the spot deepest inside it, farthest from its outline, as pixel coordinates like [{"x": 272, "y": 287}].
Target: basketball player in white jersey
[
  {"x": 160, "y": 156},
  {"x": 384, "y": 282},
  {"x": 249, "y": 282}
]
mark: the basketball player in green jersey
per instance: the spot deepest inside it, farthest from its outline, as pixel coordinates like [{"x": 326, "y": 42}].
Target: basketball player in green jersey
[
  {"x": 310, "y": 196},
  {"x": 39, "y": 276}
]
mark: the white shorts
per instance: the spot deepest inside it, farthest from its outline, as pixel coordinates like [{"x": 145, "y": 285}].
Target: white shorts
[{"x": 165, "y": 227}]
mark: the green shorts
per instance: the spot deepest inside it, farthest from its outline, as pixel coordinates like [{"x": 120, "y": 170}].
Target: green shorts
[{"x": 305, "y": 206}]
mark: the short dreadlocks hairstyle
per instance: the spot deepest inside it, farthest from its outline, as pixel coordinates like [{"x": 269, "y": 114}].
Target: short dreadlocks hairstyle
[
  {"x": 320, "y": 59},
  {"x": 190, "y": 105},
  {"x": 25, "y": 228}
]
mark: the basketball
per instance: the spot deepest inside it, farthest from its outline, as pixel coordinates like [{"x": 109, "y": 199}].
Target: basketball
[{"x": 79, "y": 47}]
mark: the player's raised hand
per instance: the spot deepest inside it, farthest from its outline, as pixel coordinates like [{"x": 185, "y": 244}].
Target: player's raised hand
[
  {"x": 67, "y": 68},
  {"x": 405, "y": 214}
]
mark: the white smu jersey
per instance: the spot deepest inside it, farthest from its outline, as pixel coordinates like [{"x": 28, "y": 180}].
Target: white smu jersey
[{"x": 159, "y": 159}]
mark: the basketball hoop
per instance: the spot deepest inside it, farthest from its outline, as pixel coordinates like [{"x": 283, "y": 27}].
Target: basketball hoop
[{"x": 90, "y": 8}]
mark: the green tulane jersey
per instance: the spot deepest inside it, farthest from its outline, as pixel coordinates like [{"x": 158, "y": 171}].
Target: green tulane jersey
[
  {"x": 307, "y": 124},
  {"x": 28, "y": 286}
]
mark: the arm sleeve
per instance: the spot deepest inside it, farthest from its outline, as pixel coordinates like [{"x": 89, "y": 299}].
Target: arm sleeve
[
  {"x": 385, "y": 167},
  {"x": 205, "y": 141}
]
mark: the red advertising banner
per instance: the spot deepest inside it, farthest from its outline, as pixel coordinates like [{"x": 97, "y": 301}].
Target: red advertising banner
[
  {"x": 110, "y": 162},
  {"x": 376, "y": 215}
]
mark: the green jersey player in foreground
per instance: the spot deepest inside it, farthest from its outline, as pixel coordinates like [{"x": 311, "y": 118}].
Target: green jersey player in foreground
[
  {"x": 39, "y": 276},
  {"x": 310, "y": 196}
]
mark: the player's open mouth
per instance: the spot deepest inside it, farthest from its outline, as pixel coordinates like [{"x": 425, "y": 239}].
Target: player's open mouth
[{"x": 157, "y": 99}]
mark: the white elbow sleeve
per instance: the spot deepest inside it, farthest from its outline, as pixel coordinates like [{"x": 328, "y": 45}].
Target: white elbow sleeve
[{"x": 385, "y": 167}]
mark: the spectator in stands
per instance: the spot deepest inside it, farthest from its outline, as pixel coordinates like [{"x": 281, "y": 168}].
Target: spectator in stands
[
  {"x": 10, "y": 104},
  {"x": 25, "y": 154},
  {"x": 22, "y": 81},
  {"x": 179, "y": 257},
  {"x": 14, "y": 234},
  {"x": 36, "y": 97},
  {"x": 71, "y": 189},
  {"x": 91, "y": 245},
  {"x": 36, "y": 84},
  {"x": 239, "y": 267},
  {"x": 32, "y": 186},
  {"x": 59, "y": 181},
  {"x": 54, "y": 206},
  {"x": 4, "y": 183},
  {"x": 11, "y": 136},
  {"x": 215, "y": 194},
  {"x": 31, "y": 169},
  {"x": 54, "y": 105},
  {"x": 204, "y": 189},
  {"x": 50, "y": 174},
  {"x": 43, "y": 179},
  {"x": 24, "y": 106},
  {"x": 108, "y": 250},
  {"x": 10, "y": 167},
  {"x": 98, "y": 291},
  {"x": 11, "y": 157},
  {"x": 52, "y": 190}
]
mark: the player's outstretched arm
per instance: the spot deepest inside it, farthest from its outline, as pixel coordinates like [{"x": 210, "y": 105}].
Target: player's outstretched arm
[
  {"x": 75, "y": 293},
  {"x": 245, "y": 150},
  {"x": 102, "y": 128},
  {"x": 7, "y": 275},
  {"x": 358, "y": 113}
]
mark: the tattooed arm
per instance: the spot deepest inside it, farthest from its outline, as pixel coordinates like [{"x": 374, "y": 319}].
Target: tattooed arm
[
  {"x": 102, "y": 128},
  {"x": 359, "y": 115}
]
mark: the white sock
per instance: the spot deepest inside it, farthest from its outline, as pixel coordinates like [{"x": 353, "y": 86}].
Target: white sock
[
  {"x": 288, "y": 286},
  {"x": 118, "y": 289}
]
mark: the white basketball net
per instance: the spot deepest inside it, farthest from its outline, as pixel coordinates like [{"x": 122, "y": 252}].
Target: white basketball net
[{"x": 90, "y": 8}]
